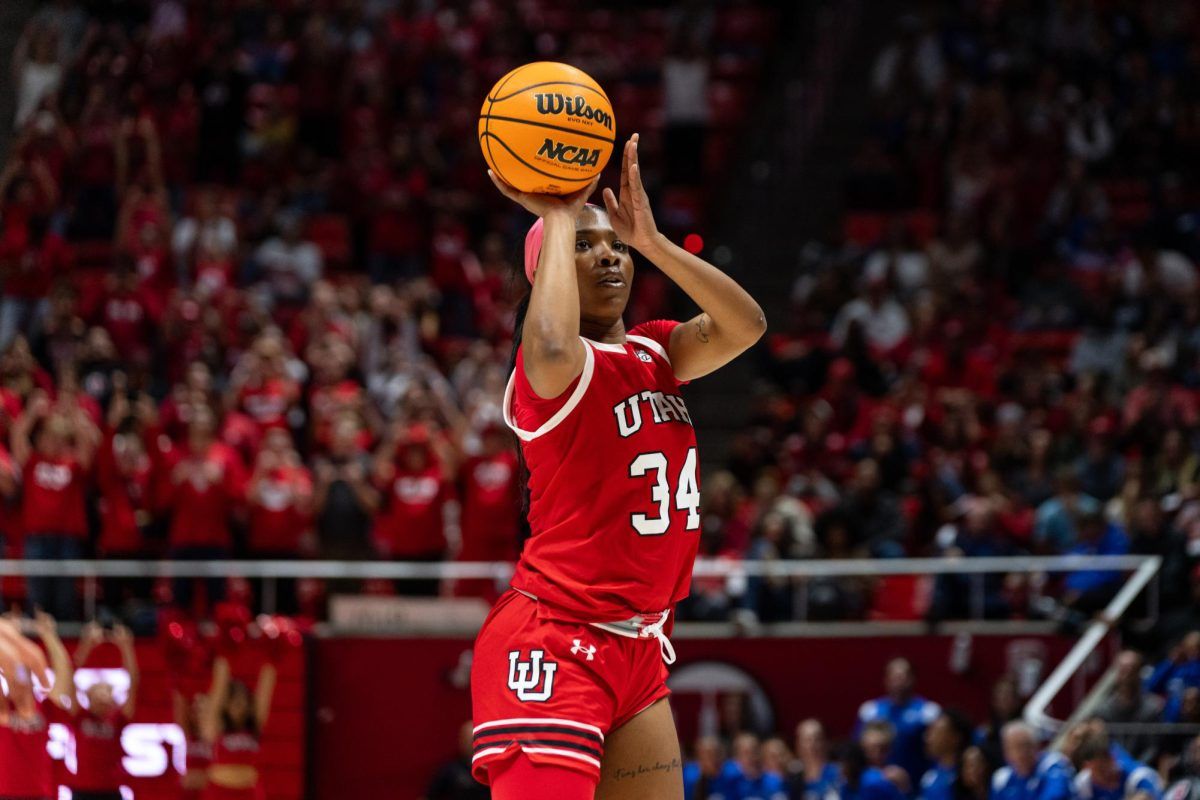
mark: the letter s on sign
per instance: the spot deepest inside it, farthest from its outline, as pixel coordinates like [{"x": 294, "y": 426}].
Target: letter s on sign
[{"x": 145, "y": 746}]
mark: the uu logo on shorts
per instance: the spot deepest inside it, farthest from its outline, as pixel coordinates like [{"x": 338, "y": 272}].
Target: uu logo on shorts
[{"x": 524, "y": 677}]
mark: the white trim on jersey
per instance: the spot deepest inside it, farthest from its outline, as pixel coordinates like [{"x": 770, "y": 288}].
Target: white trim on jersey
[
  {"x": 585, "y": 378},
  {"x": 649, "y": 343},
  {"x": 553, "y": 751},
  {"x": 568, "y": 723}
]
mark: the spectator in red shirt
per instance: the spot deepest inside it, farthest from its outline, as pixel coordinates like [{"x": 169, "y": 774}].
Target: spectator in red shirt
[
  {"x": 413, "y": 473},
  {"x": 280, "y": 500},
  {"x": 332, "y": 392},
  {"x": 344, "y": 499},
  {"x": 129, "y": 314},
  {"x": 54, "y": 445},
  {"x": 123, "y": 477},
  {"x": 97, "y": 727},
  {"x": 262, "y": 388},
  {"x": 206, "y": 486},
  {"x": 491, "y": 505},
  {"x": 31, "y": 253}
]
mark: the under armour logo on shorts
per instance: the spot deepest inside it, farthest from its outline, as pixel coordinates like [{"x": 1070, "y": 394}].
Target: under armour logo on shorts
[
  {"x": 524, "y": 677},
  {"x": 578, "y": 647}
]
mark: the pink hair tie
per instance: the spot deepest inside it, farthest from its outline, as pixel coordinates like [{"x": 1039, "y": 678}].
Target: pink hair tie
[{"x": 533, "y": 245}]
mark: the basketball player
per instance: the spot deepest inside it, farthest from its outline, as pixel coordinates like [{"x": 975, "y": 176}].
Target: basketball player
[{"x": 568, "y": 682}]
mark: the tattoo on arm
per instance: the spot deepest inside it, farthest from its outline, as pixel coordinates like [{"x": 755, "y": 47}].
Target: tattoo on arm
[
  {"x": 701, "y": 333},
  {"x": 642, "y": 770}
]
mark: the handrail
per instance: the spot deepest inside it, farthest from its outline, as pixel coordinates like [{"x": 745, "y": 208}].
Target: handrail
[
  {"x": 1036, "y": 709},
  {"x": 410, "y": 570}
]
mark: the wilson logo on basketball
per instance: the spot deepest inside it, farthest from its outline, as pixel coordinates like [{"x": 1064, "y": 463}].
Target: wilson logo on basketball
[
  {"x": 569, "y": 153},
  {"x": 553, "y": 103}
]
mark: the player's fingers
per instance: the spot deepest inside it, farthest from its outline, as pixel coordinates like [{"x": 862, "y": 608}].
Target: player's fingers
[
  {"x": 581, "y": 197},
  {"x": 635, "y": 181},
  {"x": 610, "y": 202},
  {"x": 504, "y": 188}
]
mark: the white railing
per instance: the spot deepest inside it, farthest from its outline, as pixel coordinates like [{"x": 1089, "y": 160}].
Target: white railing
[
  {"x": 1036, "y": 710},
  {"x": 799, "y": 570},
  {"x": 1143, "y": 571},
  {"x": 705, "y": 567}
]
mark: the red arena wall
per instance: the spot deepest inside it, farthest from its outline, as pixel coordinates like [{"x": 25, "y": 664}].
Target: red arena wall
[{"x": 387, "y": 711}]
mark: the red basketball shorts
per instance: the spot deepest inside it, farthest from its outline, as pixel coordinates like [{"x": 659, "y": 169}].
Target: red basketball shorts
[{"x": 553, "y": 690}]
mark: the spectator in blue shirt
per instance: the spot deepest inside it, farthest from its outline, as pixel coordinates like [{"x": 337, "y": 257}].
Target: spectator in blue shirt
[
  {"x": 1103, "y": 777},
  {"x": 701, "y": 775},
  {"x": 1054, "y": 523},
  {"x": 743, "y": 778},
  {"x": 813, "y": 776},
  {"x": 1181, "y": 670},
  {"x": 1026, "y": 775},
  {"x": 945, "y": 741},
  {"x": 1089, "y": 591},
  {"x": 908, "y": 714},
  {"x": 861, "y": 781}
]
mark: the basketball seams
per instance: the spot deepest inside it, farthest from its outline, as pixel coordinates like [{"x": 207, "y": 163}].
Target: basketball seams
[
  {"x": 536, "y": 124},
  {"x": 531, "y": 166},
  {"x": 487, "y": 135},
  {"x": 548, "y": 83}
]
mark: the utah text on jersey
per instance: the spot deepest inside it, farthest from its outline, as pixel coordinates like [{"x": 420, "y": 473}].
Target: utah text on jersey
[
  {"x": 663, "y": 408},
  {"x": 524, "y": 677}
]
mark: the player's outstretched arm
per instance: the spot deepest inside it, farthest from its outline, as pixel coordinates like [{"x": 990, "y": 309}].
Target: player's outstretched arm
[
  {"x": 552, "y": 352},
  {"x": 730, "y": 321}
]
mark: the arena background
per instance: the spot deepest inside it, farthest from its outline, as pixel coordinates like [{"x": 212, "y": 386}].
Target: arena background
[{"x": 968, "y": 439}]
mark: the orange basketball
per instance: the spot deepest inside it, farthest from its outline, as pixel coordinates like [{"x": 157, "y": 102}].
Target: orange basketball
[{"x": 547, "y": 127}]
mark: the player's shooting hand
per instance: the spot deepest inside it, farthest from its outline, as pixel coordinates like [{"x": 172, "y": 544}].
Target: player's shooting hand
[
  {"x": 630, "y": 212},
  {"x": 543, "y": 204}
]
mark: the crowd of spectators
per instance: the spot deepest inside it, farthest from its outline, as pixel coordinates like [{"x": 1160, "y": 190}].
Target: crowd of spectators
[
  {"x": 256, "y": 286},
  {"x": 996, "y": 353},
  {"x": 907, "y": 746}
]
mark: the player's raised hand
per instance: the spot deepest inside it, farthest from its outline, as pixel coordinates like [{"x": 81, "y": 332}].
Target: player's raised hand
[
  {"x": 543, "y": 204},
  {"x": 630, "y": 212}
]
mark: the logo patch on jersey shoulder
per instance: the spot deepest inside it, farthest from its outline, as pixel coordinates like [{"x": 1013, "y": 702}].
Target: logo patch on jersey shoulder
[
  {"x": 532, "y": 680},
  {"x": 644, "y": 356}
]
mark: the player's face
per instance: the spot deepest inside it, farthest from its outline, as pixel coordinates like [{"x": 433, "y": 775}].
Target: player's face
[{"x": 604, "y": 267}]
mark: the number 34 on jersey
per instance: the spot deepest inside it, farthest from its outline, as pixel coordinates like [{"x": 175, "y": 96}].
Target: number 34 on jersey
[{"x": 672, "y": 487}]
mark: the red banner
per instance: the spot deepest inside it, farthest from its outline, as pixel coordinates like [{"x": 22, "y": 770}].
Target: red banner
[{"x": 388, "y": 711}]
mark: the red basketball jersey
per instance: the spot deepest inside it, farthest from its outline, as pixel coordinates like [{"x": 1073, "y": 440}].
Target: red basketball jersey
[{"x": 613, "y": 482}]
